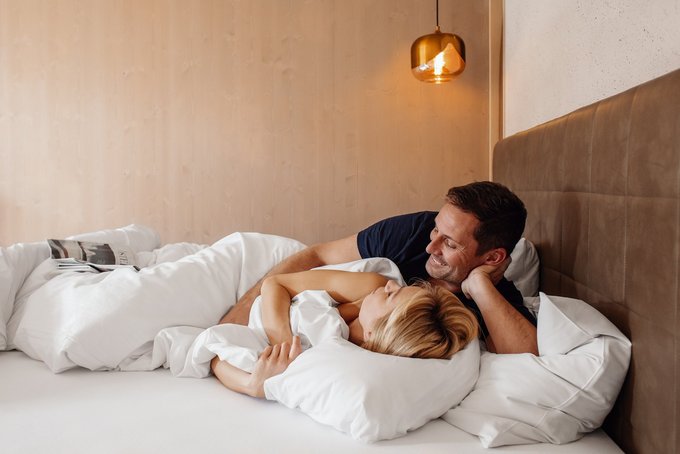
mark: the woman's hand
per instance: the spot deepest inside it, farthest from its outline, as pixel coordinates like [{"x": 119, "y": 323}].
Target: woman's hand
[{"x": 273, "y": 361}]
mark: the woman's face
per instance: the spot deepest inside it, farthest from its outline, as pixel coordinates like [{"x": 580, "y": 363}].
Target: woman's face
[{"x": 381, "y": 302}]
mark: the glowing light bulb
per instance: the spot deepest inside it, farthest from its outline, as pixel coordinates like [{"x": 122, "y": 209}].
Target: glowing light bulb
[{"x": 438, "y": 64}]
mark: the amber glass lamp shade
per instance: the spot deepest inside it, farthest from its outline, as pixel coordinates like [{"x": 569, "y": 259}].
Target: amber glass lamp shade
[{"x": 438, "y": 57}]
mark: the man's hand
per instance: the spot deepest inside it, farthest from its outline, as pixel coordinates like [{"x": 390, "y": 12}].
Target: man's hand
[
  {"x": 483, "y": 275},
  {"x": 273, "y": 361},
  {"x": 509, "y": 331}
]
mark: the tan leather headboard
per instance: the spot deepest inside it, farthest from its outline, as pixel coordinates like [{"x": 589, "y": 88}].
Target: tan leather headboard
[{"x": 602, "y": 187}]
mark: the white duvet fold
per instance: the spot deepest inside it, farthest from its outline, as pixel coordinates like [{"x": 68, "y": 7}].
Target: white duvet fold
[
  {"x": 187, "y": 351},
  {"x": 18, "y": 263},
  {"x": 109, "y": 320}
]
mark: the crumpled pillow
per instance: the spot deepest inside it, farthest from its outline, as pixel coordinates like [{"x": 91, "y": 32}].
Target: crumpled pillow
[
  {"x": 556, "y": 397},
  {"x": 523, "y": 269}
]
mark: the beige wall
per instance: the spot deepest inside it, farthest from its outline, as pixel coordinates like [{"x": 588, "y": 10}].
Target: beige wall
[
  {"x": 562, "y": 55},
  {"x": 201, "y": 118}
]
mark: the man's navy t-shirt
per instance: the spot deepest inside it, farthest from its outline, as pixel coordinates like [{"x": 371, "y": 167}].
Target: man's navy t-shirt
[{"x": 403, "y": 239}]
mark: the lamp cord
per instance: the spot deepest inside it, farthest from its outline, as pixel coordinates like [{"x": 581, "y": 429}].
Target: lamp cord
[{"x": 437, "y": 10}]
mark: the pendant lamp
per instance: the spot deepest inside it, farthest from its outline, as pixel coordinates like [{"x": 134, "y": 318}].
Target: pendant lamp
[{"x": 438, "y": 57}]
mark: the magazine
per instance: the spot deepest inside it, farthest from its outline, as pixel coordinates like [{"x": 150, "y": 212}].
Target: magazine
[{"x": 87, "y": 256}]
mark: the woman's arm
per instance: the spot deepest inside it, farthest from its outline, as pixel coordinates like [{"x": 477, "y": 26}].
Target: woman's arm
[
  {"x": 275, "y": 307},
  {"x": 278, "y": 290},
  {"x": 273, "y": 361},
  {"x": 231, "y": 377}
]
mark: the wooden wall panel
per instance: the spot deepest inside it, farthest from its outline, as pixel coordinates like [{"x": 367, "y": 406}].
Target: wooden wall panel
[{"x": 204, "y": 117}]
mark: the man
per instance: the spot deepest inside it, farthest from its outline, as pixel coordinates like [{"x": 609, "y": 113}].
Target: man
[{"x": 465, "y": 248}]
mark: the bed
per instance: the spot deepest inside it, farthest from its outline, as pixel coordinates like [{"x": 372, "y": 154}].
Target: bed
[{"x": 570, "y": 209}]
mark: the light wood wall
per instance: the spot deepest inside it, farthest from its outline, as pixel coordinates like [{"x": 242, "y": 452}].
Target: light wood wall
[{"x": 201, "y": 117}]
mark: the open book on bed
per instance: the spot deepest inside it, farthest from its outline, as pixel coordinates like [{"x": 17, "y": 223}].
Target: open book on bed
[{"x": 87, "y": 256}]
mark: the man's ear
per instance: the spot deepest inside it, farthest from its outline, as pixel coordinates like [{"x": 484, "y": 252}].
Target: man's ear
[{"x": 495, "y": 256}]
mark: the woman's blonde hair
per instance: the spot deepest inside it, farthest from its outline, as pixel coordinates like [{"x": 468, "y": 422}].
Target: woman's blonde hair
[{"x": 431, "y": 324}]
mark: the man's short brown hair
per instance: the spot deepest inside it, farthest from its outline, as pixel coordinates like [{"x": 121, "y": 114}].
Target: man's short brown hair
[{"x": 500, "y": 212}]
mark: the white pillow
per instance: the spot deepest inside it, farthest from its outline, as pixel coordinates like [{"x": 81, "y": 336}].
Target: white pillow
[
  {"x": 556, "y": 397},
  {"x": 523, "y": 269},
  {"x": 372, "y": 396}
]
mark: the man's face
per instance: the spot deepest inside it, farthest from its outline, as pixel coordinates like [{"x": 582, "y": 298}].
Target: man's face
[{"x": 453, "y": 248}]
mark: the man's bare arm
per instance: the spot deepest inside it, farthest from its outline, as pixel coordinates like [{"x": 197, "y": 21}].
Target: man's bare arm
[
  {"x": 509, "y": 331},
  {"x": 332, "y": 252}
]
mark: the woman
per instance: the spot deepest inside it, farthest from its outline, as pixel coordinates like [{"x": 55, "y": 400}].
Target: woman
[{"x": 418, "y": 321}]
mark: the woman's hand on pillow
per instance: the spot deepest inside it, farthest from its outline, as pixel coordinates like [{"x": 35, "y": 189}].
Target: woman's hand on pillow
[{"x": 274, "y": 360}]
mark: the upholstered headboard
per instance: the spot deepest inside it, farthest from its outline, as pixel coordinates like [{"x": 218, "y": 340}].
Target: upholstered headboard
[{"x": 602, "y": 188}]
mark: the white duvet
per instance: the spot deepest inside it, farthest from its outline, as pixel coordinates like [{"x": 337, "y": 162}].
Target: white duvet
[
  {"x": 163, "y": 315},
  {"x": 187, "y": 351},
  {"x": 109, "y": 320}
]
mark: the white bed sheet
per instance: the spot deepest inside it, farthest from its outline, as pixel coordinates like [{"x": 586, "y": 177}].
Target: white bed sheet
[{"x": 80, "y": 411}]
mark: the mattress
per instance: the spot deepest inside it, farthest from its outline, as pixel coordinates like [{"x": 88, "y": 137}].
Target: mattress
[{"x": 113, "y": 412}]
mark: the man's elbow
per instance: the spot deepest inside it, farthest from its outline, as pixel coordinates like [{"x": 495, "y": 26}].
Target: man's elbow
[
  {"x": 528, "y": 344},
  {"x": 532, "y": 348}
]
